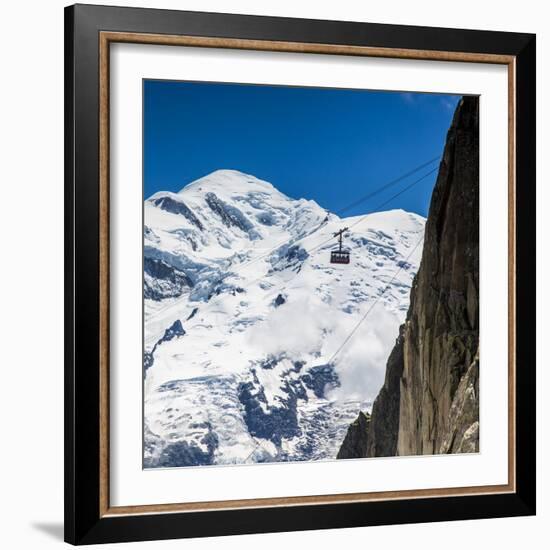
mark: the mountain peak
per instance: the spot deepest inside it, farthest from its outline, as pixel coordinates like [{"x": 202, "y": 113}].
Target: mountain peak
[{"x": 228, "y": 178}]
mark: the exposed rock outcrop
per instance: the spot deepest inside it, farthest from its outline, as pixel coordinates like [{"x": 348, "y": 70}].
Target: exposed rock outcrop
[
  {"x": 463, "y": 432},
  {"x": 174, "y": 331},
  {"x": 382, "y": 440},
  {"x": 161, "y": 280},
  {"x": 177, "y": 207},
  {"x": 356, "y": 440},
  {"x": 430, "y": 399}
]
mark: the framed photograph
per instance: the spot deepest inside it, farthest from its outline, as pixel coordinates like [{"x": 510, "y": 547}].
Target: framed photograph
[{"x": 300, "y": 274}]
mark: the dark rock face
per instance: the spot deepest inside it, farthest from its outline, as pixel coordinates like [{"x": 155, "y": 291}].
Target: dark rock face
[
  {"x": 193, "y": 313},
  {"x": 178, "y": 207},
  {"x": 430, "y": 399},
  {"x": 463, "y": 433},
  {"x": 270, "y": 422},
  {"x": 229, "y": 215},
  {"x": 173, "y": 331},
  {"x": 357, "y": 437},
  {"x": 148, "y": 360},
  {"x": 163, "y": 280},
  {"x": 321, "y": 378},
  {"x": 385, "y": 409},
  {"x": 289, "y": 257},
  {"x": 182, "y": 453},
  {"x": 279, "y": 419}
]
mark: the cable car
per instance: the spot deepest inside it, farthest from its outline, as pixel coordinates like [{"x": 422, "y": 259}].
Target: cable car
[{"x": 339, "y": 256}]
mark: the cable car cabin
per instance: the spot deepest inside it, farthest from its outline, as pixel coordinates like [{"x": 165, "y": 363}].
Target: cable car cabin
[{"x": 339, "y": 256}]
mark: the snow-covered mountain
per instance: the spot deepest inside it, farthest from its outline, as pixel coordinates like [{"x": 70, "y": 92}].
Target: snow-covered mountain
[{"x": 244, "y": 313}]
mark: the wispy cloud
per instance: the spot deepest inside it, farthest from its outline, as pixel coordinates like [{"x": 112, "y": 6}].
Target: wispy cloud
[
  {"x": 448, "y": 103},
  {"x": 413, "y": 98},
  {"x": 408, "y": 97}
]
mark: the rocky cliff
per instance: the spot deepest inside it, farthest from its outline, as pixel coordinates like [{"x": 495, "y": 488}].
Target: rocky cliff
[
  {"x": 354, "y": 443},
  {"x": 429, "y": 402}
]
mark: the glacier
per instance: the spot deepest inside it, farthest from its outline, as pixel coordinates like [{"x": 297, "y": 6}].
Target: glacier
[{"x": 244, "y": 313}]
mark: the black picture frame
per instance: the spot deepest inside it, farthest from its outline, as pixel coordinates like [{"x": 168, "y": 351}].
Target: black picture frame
[{"x": 84, "y": 524}]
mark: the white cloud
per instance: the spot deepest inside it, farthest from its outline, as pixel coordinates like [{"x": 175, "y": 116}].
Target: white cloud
[
  {"x": 361, "y": 365},
  {"x": 293, "y": 328},
  {"x": 301, "y": 328}
]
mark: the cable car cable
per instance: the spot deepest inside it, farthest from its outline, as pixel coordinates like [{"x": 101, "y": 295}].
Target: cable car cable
[
  {"x": 356, "y": 327},
  {"x": 386, "y": 186},
  {"x": 381, "y": 205}
]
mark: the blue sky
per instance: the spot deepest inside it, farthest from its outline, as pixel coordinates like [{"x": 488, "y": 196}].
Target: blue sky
[{"x": 330, "y": 145}]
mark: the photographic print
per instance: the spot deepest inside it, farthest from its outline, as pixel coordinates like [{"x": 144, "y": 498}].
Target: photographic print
[{"x": 310, "y": 274}]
